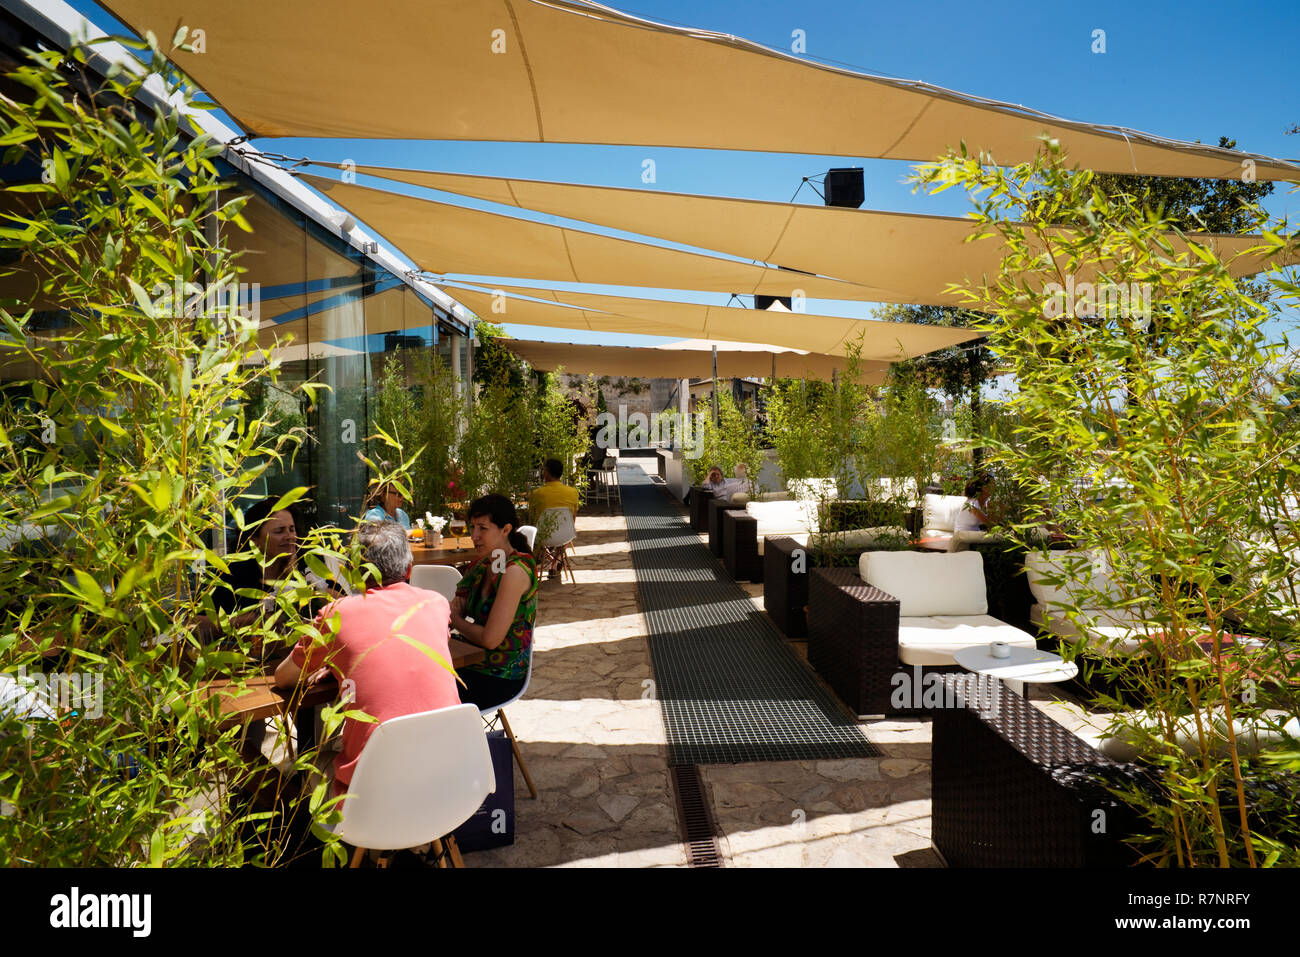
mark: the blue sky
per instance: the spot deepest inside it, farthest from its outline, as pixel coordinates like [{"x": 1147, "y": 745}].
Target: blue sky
[{"x": 1187, "y": 70}]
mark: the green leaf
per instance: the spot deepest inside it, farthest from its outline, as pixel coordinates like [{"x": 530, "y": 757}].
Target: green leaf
[{"x": 142, "y": 299}]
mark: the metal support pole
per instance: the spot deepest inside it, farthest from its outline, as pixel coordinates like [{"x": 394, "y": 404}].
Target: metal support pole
[{"x": 715, "y": 386}]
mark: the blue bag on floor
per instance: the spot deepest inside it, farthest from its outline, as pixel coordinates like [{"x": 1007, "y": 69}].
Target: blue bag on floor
[{"x": 493, "y": 824}]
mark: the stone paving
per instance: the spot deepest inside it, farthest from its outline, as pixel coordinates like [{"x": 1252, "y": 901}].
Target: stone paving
[{"x": 592, "y": 735}]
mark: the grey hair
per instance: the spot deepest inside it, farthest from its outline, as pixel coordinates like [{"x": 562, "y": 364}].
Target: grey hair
[{"x": 384, "y": 545}]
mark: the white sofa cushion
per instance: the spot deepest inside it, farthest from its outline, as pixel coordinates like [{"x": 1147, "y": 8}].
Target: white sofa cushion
[
  {"x": 861, "y": 537},
  {"x": 940, "y": 512},
  {"x": 924, "y": 583},
  {"x": 813, "y": 489},
  {"x": 795, "y": 519},
  {"x": 933, "y": 640},
  {"x": 1140, "y": 735},
  {"x": 1080, "y": 570}
]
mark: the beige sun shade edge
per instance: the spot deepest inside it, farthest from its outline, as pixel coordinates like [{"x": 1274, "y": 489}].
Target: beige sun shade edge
[
  {"x": 878, "y": 340},
  {"x": 276, "y": 71},
  {"x": 443, "y": 238},
  {"x": 875, "y": 248},
  {"x": 660, "y": 362}
]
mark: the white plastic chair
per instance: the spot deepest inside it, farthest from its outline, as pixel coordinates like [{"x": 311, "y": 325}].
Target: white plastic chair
[
  {"x": 491, "y": 714},
  {"x": 440, "y": 578},
  {"x": 530, "y": 534},
  {"x": 419, "y": 778},
  {"x": 560, "y": 537}
]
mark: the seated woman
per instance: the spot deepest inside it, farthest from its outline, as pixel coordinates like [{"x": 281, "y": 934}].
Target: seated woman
[
  {"x": 975, "y": 516},
  {"x": 274, "y": 536},
  {"x": 385, "y": 504},
  {"x": 499, "y": 592}
]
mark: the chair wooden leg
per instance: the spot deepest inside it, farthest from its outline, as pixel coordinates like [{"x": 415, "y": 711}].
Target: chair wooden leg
[
  {"x": 454, "y": 849},
  {"x": 568, "y": 562},
  {"x": 357, "y": 855},
  {"x": 439, "y": 853},
  {"x": 514, "y": 746}
]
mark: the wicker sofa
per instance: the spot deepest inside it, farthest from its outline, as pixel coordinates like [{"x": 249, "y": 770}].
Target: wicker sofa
[
  {"x": 798, "y": 500},
  {"x": 898, "y": 613},
  {"x": 1012, "y": 788}
]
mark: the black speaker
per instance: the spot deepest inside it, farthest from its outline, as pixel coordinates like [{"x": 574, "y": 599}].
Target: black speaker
[
  {"x": 844, "y": 187},
  {"x": 764, "y": 302}
]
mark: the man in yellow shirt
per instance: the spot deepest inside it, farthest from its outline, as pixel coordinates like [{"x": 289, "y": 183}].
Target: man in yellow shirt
[{"x": 552, "y": 494}]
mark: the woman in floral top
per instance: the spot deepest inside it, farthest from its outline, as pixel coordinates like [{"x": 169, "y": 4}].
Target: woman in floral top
[{"x": 499, "y": 592}]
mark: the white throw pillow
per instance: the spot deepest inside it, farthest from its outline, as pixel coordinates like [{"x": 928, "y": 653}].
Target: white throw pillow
[
  {"x": 783, "y": 518},
  {"x": 1079, "y": 570},
  {"x": 929, "y": 583},
  {"x": 815, "y": 489},
  {"x": 740, "y": 498},
  {"x": 941, "y": 511}
]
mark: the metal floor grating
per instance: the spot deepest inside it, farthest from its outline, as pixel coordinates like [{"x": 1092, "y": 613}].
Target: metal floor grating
[{"x": 730, "y": 687}]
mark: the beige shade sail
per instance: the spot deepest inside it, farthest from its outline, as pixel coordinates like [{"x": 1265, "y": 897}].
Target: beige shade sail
[
  {"x": 561, "y": 71},
  {"x": 830, "y": 335},
  {"x": 442, "y": 238},
  {"x": 664, "y": 362},
  {"x": 913, "y": 257}
]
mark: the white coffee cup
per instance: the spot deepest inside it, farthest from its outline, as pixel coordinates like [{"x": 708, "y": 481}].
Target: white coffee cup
[{"x": 999, "y": 649}]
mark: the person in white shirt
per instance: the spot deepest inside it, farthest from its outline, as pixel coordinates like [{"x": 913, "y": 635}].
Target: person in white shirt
[
  {"x": 723, "y": 488},
  {"x": 975, "y": 516}
]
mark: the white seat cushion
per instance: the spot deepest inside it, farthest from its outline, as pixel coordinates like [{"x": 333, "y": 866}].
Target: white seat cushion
[
  {"x": 934, "y": 640},
  {"x": 962, "y": 540},
  {"x": 928, "y": 583}
]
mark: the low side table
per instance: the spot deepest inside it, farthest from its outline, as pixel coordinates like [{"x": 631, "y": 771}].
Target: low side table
[{"x": 1021, "y": 668}]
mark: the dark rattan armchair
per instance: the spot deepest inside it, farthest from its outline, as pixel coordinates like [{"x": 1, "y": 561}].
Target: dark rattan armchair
[
  {"x": 740, "y": 545},
  {"x": 700, "y": 498},
  {"x": 1012, "y": 788}
]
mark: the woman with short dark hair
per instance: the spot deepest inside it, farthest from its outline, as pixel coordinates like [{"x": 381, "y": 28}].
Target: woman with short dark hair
[{"x": 496, "y": 604}]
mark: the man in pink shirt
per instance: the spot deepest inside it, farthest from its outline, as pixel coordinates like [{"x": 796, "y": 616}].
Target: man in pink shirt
[{"x": 368, "y": 647}]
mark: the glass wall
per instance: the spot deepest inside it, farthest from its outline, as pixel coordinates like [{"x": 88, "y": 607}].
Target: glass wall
[{"x": 332, "y": 317}]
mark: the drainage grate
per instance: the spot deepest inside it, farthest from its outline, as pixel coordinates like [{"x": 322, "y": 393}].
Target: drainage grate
[
  {"x": 696, "y": 819},
  {"x": 730, "y": 687}
]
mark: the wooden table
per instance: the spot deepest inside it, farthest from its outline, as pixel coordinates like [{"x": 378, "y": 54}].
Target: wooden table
[
  {"x": 452, "y": 551},
  {"x": 938, "y": 544}
]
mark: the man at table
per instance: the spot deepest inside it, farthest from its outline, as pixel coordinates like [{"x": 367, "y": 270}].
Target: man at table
[
  {"x": 552, "y": 493},
  {"x": 376, "y": 644}
]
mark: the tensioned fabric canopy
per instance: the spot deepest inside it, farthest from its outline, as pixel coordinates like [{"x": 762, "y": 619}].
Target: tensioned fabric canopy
[
  {"x": 829, "y": 335},
  {"x": 567, "y": 71},
  {"x": 676, "y": 362},
  {"x": 912, "y": 256},
  {"x": 442, "y": 238}
]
